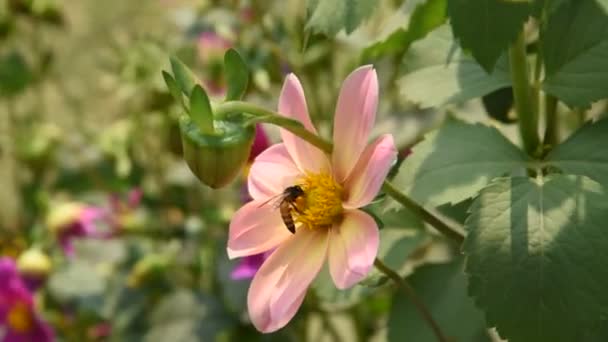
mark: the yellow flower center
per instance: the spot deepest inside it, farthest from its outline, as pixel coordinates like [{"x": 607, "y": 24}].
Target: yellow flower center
[
  {"x": 321, "y": 205},
  {"x": 20, "y": 318}
]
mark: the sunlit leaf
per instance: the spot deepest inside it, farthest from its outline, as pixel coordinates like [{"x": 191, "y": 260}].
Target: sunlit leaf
[
  {"x": 426, "y": 17},
  {"x": 455, "y": 161},
  {"x": 536, "y": 251},
  {"x": 437, "y": 72}
]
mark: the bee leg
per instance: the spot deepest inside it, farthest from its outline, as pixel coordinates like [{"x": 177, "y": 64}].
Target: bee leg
[{"x": 295, "y": 207}]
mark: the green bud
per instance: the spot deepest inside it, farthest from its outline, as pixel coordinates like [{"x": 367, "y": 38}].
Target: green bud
[{"x": 216, "y": 159}]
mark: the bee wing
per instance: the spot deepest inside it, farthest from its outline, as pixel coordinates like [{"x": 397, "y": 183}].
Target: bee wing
[{"x": 276, "y": 201}]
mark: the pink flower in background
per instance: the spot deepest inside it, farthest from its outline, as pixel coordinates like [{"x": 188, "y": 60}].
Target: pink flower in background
[
  {"x": 329, "y": 224},
  {"x": 211, "y": 48},
  {"x": 260, "y": 142},
  {"x": 76, "y": 220},
  {"x": 19, "y": 321}
]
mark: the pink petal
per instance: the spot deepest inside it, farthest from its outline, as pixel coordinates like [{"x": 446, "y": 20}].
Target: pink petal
[
  {"x": 272, "y": 171},
  {"x": 292, "y": 103},
  {"x": 370, "y": 171},
  {"x": 255, "y": 228},
  {"x": 355, "y": 116},
  {"x": 279, "y": 286},
  {"x": 353, "y": 246}
]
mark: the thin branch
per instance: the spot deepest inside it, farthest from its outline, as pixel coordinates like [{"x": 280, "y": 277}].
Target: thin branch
[{"x": 411, "y": 294}]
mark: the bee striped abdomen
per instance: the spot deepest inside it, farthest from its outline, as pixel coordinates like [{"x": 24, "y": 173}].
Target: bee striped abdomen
[{"x": 285, "y": 209}]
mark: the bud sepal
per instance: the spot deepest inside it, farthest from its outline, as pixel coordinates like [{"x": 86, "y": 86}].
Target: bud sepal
[{"x": 216, "y": 159}]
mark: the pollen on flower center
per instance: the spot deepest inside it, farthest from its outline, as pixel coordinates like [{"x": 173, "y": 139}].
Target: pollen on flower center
[
  {"x": 19, "y": 318},
  {"x": 321, "y": 205}
]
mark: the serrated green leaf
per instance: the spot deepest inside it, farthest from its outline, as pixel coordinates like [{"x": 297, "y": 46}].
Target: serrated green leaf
[
  {"x": 331, "y": 16},
  {"x": 455, "y": 161},
  {"x": 425, "y": 18},
  {"x": 487, "y": 27},
  {"x": 183, "y": 76},
  {"x": 584, "y": 152},
  {"x": 237, "y": 75},
  {"x": 536, "y": 252},
  {"x": 575, "y": 50},
  {"x": 439, "y": 73},
  {"x": 443, "y": 288},
  {"x": 200, "y": 109}
]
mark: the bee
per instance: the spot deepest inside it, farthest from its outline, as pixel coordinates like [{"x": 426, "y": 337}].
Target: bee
[{"x": 286, "y": 202}]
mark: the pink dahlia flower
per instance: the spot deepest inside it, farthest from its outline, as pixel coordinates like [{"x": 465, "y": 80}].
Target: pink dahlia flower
[
  {"x": 19, "y": 321},
  {"x": 329, "y": 224}
]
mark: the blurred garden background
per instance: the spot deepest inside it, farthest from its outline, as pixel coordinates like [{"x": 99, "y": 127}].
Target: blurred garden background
[{"x": 112, "y": 237}]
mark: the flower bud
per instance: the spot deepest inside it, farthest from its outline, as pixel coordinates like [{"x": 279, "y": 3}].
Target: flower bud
[{"x": 216, "y": 159}]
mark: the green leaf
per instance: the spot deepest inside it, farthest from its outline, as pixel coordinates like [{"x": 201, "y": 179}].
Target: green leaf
[
  {"x": 15, "y": 74},
  {"x": 584, "y": 153},
  {"x": 438, "y": 73},
  {"x": 237, "y": 75},
  {"x": 331, "y": 16},
  {"x": 536, "y": 256},
  {"x": 575, "y": 49},
  {"x": 200, "y": 110},
  {"x": 487, "y": 27},
  {"x": 183, "y": 76},
  {"x": 443, "y": 288},
  {"x": 425, "y": 18},
  {"x": 76, "y": 283},
  {"x": 187, "y": 316},
  {"x": 174, "y": 89},
  {"x": 455, "y": 161}
]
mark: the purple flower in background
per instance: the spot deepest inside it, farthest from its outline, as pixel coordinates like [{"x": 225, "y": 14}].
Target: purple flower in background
[
  {"x": 19, "y": 322},
  {"x": 249, "y": 265},
  {"x": 75, "y": 220}
]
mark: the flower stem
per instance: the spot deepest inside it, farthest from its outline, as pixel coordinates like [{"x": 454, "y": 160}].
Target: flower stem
[
  {"x": 411, "y": 294},
  {"x": 551, "y": 137},
  {"x": 522, "y": 93},
  {"x": 223, "y": 110},
  {"x": 263, "y": 115},
  {"x": 419, "y": 210}
]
